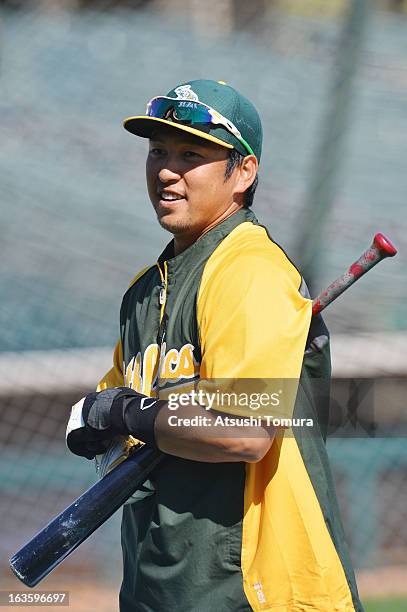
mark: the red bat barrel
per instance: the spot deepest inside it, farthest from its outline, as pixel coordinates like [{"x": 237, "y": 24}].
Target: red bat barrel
[
  {"x": 380, "y": 248},
  {"x": 77, "y": 522}
]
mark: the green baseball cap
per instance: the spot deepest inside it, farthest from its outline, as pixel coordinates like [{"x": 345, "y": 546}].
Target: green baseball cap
[{"x": 209, "y": 109}]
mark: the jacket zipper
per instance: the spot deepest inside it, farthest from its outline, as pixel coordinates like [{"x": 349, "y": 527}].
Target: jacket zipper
[{"x": 162, "y": 302}]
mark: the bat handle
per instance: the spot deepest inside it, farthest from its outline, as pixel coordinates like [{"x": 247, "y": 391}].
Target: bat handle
[{"x": 380, "y": 248}]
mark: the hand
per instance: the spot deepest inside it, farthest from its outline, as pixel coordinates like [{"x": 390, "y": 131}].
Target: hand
[
  {"x": 88, "y": 432},
  {"x": 100, "y": 417}
]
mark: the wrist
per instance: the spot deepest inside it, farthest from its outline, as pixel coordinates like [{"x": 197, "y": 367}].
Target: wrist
[{"x": 135, "y": 414}]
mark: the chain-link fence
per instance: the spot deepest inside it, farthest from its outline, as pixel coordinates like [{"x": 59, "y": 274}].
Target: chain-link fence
[{"x": 77, "y": 225}]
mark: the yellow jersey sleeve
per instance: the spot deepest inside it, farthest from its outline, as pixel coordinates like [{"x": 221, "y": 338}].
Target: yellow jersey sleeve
[
  {"x": 114, "y": 377},
  {"x": 253, "y": 325}
]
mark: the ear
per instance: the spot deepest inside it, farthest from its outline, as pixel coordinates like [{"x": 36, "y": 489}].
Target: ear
[{"x": 246, "y": 173}]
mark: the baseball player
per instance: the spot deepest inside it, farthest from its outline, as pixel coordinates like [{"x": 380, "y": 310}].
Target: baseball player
[{"x": 242, "y": 517}]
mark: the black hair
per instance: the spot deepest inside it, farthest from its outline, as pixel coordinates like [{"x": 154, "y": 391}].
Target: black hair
[{"x": 235, "y": 160}]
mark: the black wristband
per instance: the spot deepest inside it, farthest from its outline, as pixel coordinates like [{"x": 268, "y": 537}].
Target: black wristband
[{"x": 135, "y": 414}]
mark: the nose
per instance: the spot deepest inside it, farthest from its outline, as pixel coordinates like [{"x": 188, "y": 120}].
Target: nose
[
  {"x": 170, "y": 168},
  {"x": 167, "y": 174}
]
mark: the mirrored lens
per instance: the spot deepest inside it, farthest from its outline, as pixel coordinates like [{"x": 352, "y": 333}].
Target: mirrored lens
[
  {"x": 181, "y": 110},
  {"x": 157, "y": 108}
]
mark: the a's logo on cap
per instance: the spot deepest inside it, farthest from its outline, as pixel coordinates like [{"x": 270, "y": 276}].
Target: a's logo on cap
[{"x": 184, "y": 92}]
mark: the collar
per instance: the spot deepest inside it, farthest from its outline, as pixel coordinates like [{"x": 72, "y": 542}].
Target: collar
[{"x": 208, "y": 241}]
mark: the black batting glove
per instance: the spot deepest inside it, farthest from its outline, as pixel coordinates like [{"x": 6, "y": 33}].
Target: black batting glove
[{"x": 101, "y": 416}]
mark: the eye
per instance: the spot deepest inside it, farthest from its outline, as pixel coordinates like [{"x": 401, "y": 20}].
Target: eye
[
  {"x": 156, "y": 152},
  {"x": 192, "y": 155}
]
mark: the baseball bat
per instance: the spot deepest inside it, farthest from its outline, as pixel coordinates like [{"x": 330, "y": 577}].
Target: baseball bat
[
  {"x": 46, "y": 550},
  {"x": 380, "y": 248}
]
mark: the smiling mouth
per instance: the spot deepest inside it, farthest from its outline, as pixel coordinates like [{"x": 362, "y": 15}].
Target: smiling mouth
[
  {"x": 167, "y": 199},
  {"x": 170, "y": 197}
]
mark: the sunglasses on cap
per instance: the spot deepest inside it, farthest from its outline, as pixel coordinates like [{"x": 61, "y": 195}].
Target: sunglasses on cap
[{"x": 195, "y": 113}]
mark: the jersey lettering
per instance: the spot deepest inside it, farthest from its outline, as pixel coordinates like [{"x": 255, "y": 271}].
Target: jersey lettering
[{"x": 144, "y": 372}]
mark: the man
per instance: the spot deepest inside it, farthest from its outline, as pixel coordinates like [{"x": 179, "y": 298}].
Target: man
[{"x": 246, "y": 518}]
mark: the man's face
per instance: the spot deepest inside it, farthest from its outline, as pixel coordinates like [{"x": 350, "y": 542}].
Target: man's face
[{"x": 186, "y": 181}]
